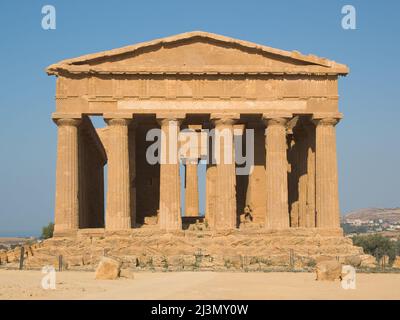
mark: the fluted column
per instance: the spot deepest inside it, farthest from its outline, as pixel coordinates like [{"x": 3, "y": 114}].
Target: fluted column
[
  {"x": 255, "y": 194},
  {"x": 191, "y": 188},
  {"x": 277, "y": 215},
  {"x": 170, "y": 193},
  {"x": 225, "y": 217},
  {"x": 311, "y": 223},
  {"x": 118, "y": 214},
  {"x": 67, "y": 176},
  {"x": 302, "y": 150},
  {"x": 211, "y": 174},
  {"x": 132, "y": 170},
  {"x": 327, "y": 194}
]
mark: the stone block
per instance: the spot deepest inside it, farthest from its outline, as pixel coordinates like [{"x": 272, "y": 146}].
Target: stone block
[
  {"x": 108, "y": 269},
  {"x": 354, "y": 261},
  {"x": 329, "y": 270},
  {"x": 368, "y": 261},
  {"x": 396, "y": 263}
]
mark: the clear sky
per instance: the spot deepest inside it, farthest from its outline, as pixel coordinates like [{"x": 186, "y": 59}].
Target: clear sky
[{"x": 368, "y": 138}]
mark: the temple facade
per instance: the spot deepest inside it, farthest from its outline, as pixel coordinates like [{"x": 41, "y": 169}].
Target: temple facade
[{"x": 196, "y": 83}]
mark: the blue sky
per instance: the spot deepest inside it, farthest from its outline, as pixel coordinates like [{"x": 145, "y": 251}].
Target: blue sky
[{"x": 368, "y": 138}]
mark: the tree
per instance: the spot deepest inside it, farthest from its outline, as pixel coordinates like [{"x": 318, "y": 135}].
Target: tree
[
  {"x": 376, "y": 245},
  {"x": 47, "y": 231}
]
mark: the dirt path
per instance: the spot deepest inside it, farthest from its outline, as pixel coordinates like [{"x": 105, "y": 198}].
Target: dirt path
[{"x": 195, "y": 285}]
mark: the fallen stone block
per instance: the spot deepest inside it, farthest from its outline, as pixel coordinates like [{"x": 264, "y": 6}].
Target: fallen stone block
[
  {"x": 368, "y": 261},
  {"x": 396, "y": 263},
  {"x": 354, "y": 261},
  {"x": 108, "y": 269},
  {"x": 329, "y": 270}
]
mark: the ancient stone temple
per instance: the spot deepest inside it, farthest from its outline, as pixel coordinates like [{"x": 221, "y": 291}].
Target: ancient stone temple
[{"x": 196, "y": 82}]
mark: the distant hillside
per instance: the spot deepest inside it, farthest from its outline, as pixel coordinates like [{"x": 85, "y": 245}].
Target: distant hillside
[
  {"x": 7, "y": 243},
  {"x": 387, "y": 215}
]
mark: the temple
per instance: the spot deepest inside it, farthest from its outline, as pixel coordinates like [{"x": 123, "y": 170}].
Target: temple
[{"x": 198, "y": 83}]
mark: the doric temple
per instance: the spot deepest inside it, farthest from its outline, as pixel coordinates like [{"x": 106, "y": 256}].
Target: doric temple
[{"x": 197, "y": 82}]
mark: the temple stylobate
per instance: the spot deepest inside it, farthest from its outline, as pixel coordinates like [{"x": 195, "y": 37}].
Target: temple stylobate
[{"x": 198, "y": 83}]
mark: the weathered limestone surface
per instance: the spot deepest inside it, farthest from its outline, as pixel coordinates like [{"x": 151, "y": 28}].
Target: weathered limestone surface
[
  {"x": 152, "y": 249},
  {"x": 132, "y": 171},
  {"x": 108, "y": 269},
  {"x": 118, "y": 212},
  {"x": 225, "y": 217},
  {"x": 170, "y": 193},
  {"x": 211, "y": 183},
  {"x": 311, "y": 215},
  {"x": 67, "y": 176},
  {"x": 276, "y": 167},
  {"x": 368, "y": 261},
  {"x": 198, "y": 81},
  {"x": 256, "y": 187},
  {"x": 327, "y": 198},
  {"x": 396, "y": 263},
  {"x": 329, "y": 270}
]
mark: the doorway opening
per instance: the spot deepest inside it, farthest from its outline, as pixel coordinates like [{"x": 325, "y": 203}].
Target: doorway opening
[{"x": 193, "y": 193}]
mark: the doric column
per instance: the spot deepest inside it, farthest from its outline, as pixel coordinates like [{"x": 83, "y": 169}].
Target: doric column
[
  {"x": 327, "y": 198},
  {"x": 67, "y": 176},
  {"x": 301, "y": 164},
  {"x": 132, "y": 170},
  {"x": 211, "y": 176},
  {"x": 191, "y": 188},
  {"x": 277, "y": 215},
  {"x": 225, "y": 217},
  {"x": 118, "y": 211},
  {"x": 310, "y": 128},
  {"x": 170, "y": 193},
  {"x": 293, "y": 180}
]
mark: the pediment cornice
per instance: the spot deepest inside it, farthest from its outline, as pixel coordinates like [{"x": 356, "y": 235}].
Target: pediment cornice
[{"x": 102, "y": 62}]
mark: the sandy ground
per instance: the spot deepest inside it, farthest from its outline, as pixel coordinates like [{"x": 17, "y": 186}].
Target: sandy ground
[{"x": 195, "y": 285}]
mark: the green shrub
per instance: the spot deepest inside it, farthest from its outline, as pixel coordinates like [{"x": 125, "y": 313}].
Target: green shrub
[
  {"x": 47, "y": 231},
  {"x": 377, "y": 245}
]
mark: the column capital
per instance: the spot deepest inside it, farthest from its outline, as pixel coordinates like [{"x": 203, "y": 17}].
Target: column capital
[
  {"x": 117, "y": 121},
  {"x": 70, "y": 122},
  {"x": 278, "y": 121},
  {"x": 326, "y": 121},
  {"x": 166, "y": 121},
  {"x": 224, "y": 119},
  {"x": 64, "y": 115},
  {"x": 224, "y": 116}
]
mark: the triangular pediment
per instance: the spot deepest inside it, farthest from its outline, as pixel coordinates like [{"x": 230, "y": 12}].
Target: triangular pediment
[{"x": 198, "y": 53}]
